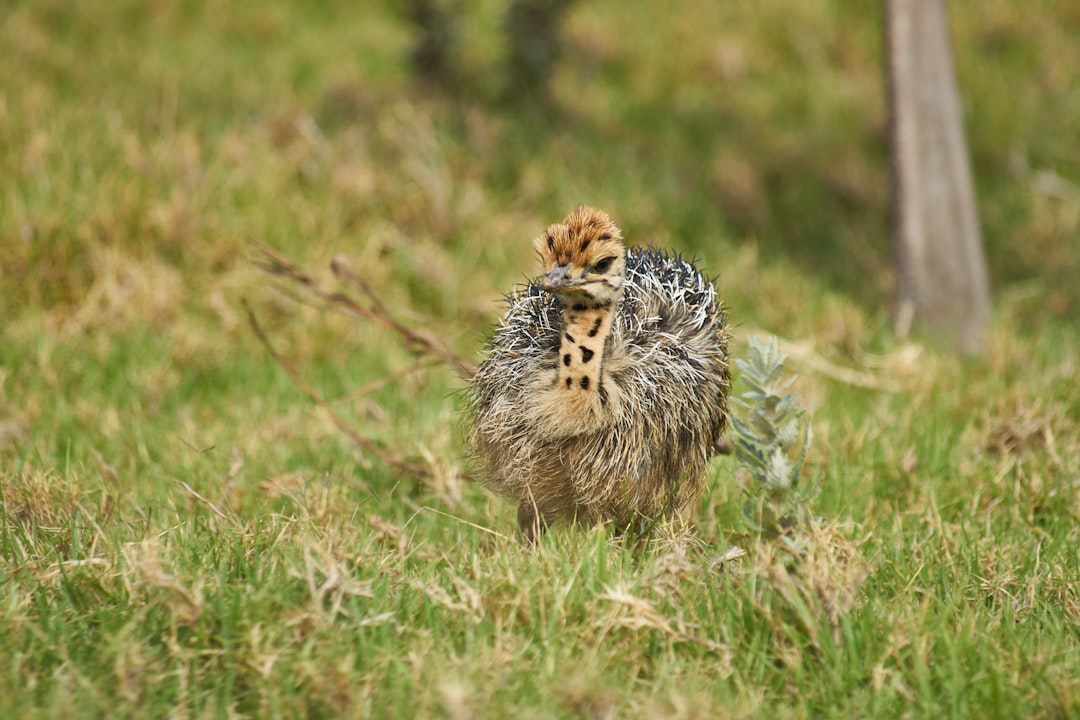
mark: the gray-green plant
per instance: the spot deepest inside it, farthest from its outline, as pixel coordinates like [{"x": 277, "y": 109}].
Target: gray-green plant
[{"x": 772, "y": 437}]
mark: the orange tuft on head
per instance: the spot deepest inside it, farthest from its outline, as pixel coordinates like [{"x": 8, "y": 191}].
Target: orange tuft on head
[
  {"x": 585, "y": 236},
  {"x": 583, "y": 255}
]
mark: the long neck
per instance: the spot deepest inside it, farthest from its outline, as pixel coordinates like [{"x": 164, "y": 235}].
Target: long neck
[{"x": 581, "y": 352}]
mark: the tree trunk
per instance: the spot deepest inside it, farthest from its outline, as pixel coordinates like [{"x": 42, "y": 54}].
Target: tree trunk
[{"x": 942, "y": 273}]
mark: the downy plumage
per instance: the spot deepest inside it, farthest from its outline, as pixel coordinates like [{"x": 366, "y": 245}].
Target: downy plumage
[{"x": 604, "y": 390}]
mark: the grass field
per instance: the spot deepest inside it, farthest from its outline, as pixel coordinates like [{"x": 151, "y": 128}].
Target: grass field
[{"x": 184, "y": 533}]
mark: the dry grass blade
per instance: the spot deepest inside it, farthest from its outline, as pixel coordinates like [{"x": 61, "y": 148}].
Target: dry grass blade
[
  {"x": 364, "y": 442},
  {"x": 473, "y": 525},
  {"x": 636, "y": 613},
  {"x": 205, "y": 501},
  {"x": 803, "y": 352}
]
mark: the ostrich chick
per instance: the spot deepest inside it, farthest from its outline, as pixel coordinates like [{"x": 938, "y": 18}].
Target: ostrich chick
[{"x": 604, "y": 390}]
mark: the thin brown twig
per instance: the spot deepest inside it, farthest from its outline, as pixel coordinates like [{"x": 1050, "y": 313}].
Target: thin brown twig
[
  {"x": 387, "y": 380},
  {"x": 365, "y": 443},
  {"x": 416, "y": 340},
  {"x": 339, "y": 267}
]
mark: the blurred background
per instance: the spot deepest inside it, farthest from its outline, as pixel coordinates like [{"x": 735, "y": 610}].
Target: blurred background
[{"x": 434, "y": 138}]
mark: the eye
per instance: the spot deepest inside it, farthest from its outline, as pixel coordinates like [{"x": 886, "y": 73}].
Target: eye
[{"x": 602, "y": 266}]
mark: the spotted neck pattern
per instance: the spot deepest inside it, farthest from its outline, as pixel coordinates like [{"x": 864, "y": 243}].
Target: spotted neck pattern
[{"x": 581, "y": 350}]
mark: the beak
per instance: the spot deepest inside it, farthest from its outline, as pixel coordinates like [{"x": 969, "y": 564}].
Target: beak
[{"x": 558, "y": 277}]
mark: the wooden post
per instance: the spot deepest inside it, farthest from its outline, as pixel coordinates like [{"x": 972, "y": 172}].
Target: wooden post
[{"x": 943, "y": 285}]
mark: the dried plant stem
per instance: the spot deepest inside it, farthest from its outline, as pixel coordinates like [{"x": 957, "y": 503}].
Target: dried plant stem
[
  {"x": 388, "y": 379},
  {"x": 365, "y": 443},
  {"x": 803, "y": 352},
  {"x": 416, "y": 341}
]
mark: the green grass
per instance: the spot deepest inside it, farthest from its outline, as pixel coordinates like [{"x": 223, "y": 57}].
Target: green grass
[{"x": 182, "y": 532}]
